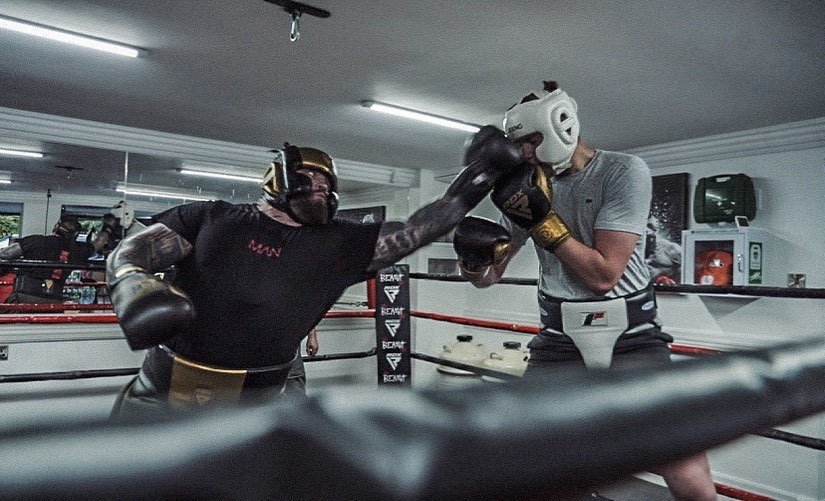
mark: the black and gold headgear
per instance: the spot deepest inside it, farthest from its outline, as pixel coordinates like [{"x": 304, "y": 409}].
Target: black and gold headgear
[{"x": 282, "y": 181}]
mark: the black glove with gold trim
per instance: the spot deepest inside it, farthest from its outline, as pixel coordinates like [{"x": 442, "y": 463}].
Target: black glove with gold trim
[
  {"x": 149, "y": 310},
  {"x": 479, "y": 243},
  {"x": 488, "y": 156},
  {"x": 525, "y": 196}
]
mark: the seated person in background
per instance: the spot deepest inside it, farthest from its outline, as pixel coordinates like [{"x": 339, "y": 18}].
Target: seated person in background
[
  {"x": 45, "y": 285},
  {"x": 117, "y": 225}
]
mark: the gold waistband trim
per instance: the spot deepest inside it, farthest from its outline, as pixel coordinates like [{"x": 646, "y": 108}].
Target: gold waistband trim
[{"x": 194, "y": 365}]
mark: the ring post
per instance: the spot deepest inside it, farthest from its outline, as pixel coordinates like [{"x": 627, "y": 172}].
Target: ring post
[
  {"x": 392, "y": 325},
  {"x": 371, "y": 293}
]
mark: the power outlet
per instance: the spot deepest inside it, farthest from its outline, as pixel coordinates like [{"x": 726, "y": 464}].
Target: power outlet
[{"x": 4, "y": 352}]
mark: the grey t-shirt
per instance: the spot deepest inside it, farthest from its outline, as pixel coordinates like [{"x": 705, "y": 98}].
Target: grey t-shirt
[{"x": 612, "y": 192}]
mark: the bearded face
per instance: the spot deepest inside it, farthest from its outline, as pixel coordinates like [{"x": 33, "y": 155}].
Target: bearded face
[
  {"x": 310, "y": 203},
  {"x": 310, "y": 208}
]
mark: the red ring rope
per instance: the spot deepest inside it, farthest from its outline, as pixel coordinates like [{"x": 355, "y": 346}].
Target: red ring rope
[
  {"x": 52, "y": 307},
  {"x": 733, "y": 492},
  {"x": 84, "y": 318},
  {"x": 111, "y": 318},
  {"x": 528, "y": 329}
]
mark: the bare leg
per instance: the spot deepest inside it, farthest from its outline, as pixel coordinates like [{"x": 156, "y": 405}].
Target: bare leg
[{"x": 689, "y": 479}]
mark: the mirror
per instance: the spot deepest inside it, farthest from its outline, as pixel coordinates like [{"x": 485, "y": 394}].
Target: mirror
[{"x": 78, "y": 175}]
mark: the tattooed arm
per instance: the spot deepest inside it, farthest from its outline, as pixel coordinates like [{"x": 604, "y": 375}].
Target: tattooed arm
[
  {"x": 399, "y": 239},
  {"x": 150, "y": 310},
  {"x": 488, "y": 157},
  {"x": 154, "y": 249}
]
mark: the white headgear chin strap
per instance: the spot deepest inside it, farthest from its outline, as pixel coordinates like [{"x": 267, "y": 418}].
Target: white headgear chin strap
[{"x": 554, "y": 114}]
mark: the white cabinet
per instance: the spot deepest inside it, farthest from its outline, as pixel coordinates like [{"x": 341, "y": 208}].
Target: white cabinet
[{"x": 724, "y": 256}]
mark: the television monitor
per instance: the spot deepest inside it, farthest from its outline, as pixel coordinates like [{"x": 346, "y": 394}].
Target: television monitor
[{"x": 720, "y": 198}]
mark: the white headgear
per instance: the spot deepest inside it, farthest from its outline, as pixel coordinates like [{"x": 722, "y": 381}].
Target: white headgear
[
  {"x": 124, "y": 214},
  {"x": 554, "y": 115}
]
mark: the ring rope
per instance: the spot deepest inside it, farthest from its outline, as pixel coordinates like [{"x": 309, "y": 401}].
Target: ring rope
[
  {"x": 129, "y": 371},
  {"x": 809, "y": 442},
  {"x": 733, "y": 492},
  {"x": 458, "y": 365},
  {"x": 67, "y": 284},
  {"x": 67, "y": 375},
  {"x": 83, "y": 318},
  {"x": 720, "y": 488},
  {"x": 793, "y": 438},
  {"x": 53, "y": 307},
  {"x": 743, "y": 290},
  {"x": 35, "y": 263},
  {"x": 770, "y": 387},
  {"x": 527, "y": 329},
  {"x": 533, "y": 329}
]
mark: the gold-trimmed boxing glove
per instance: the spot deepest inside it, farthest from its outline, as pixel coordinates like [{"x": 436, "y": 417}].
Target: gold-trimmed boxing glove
[
  {"x": 480, "y": 243},
  {"x": 149, "y": 310},
  {"x": 525, "y": 196},
  {"x": 488, "y": 156}
]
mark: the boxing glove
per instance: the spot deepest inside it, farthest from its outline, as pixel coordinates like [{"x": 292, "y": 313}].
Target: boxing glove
[
  {"x": 149, "y": 310},
  {"x": 479, "y": 243},
  {"x": 525, "y": 196},
  {"x": 488, "y": 156}
]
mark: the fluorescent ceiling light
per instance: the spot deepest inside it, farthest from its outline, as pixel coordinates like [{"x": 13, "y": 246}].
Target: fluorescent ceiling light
[
  {"x": 64, "y": 36},
  {"x": 19, "y": 153},
  {"x": 5, "y": 181},
  {"x": 420, "y": 115},
  {"x": 218, "y": 175},
  {"x": 157, "y": 193}
]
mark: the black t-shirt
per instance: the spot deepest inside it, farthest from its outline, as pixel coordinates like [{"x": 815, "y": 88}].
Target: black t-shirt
[
  {"x": 53, "y": 248},
  {"x": 259, "y": 286}
]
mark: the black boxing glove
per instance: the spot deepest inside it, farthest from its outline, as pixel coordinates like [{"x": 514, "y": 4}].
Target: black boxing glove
[
  {"x": 149, "y": 310},
  {"x": 492, "y": 147},
  {"x": 479, "y": 243},
  {"x": 487, "y": 157},
  {"x": 525, "y": 197}
]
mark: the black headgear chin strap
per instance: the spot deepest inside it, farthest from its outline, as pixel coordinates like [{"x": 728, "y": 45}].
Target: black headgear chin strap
[
  {"x": 281, "y": 202},
  {"x": 283, "y": 181}
]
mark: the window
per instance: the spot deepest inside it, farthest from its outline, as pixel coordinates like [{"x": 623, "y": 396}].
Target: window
[{"x": 90, "y": 218}]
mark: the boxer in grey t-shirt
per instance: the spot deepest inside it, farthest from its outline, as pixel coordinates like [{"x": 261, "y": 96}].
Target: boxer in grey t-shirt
[{"x": 586, "y": 212}]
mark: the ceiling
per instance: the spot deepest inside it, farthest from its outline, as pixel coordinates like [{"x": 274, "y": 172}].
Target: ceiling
[{"x": 644, "y": 72}]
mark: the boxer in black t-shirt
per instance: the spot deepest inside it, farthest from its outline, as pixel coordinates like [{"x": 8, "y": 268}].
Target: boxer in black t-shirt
[
  {"x": 252, "y": 279},
  {"x": 45, "y": 285}
]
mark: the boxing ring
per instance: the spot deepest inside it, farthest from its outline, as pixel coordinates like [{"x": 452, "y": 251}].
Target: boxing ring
[{"x": 478, "y": 442}]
